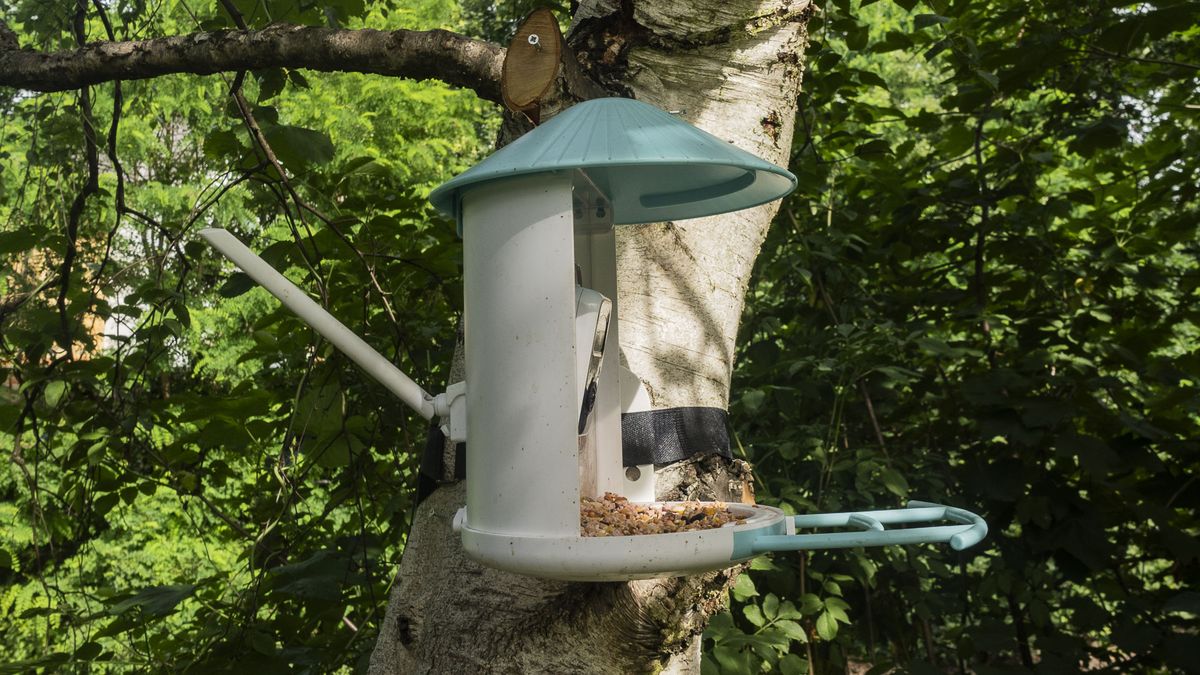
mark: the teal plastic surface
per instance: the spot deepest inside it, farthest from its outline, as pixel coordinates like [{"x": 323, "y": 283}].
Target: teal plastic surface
[
  {"x": 651, "y": 165},
  {"x": 743, "y": 541},
  {"x": 871, "y": 531}
]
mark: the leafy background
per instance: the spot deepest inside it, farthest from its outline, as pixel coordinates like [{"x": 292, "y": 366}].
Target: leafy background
[{"x": 984, "y": 292}]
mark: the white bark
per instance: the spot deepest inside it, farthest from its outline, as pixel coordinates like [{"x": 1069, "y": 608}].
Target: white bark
[
  {"x": 682, "y": 285},
  {"x": 733, "y": 67}
]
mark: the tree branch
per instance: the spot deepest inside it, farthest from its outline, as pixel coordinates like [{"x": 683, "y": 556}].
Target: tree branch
[{"x": 435, "y": 54}]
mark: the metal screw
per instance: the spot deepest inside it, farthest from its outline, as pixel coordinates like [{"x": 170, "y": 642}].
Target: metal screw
[
  {"x": 535, "y": 41},
  {"x": 633, "y": 474}
]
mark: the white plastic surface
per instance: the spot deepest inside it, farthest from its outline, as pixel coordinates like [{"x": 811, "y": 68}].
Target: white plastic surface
[
  {"x": 639, "y": 482},
  {"x": 323, "y": 322},
  {"x": 519, "y": 335},
  {"x": 595, "y": 253},
  {"x": 647, "y": 556},
  {"x": 592, "y": 314},
  {"x": 451, "y": 408}
]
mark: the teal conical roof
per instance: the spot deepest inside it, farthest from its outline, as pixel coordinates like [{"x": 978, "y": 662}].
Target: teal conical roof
[{"x": 651, "y": 165}]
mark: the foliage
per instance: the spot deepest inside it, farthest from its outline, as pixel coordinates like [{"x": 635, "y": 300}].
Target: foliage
[
  {"x": 984, "y": 292},
  {"x": 200, "y": 482}
]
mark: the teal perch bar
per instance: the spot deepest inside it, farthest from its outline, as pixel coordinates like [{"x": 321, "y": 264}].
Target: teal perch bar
[{"x": 969, "y": 530}]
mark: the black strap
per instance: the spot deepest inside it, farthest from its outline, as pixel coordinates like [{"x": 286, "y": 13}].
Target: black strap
[
  {"x": 460, "y": 461},
  {"x": 651, "y": 437},
  {"x": 673, "y": 434}
]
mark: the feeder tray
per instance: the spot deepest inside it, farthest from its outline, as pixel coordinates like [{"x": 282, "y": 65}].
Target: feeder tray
[
  {"x": 764, "y": 529},
  {"x": 614, "y": 515}
]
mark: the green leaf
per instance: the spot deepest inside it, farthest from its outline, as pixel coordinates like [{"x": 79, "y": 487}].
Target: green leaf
[
  {"x": 35, "y": 665},
  {"x": 88, "y": 651},
  {"x": 237, "y": 284},
  {"x": 827, "y": 626},
  {"x": 770, "y": 606},
  {"x": 105, "y": 503},
  {"x": 937, "y": 48},
  {"x": 762, "y": 562},
  {"x": 340, "y": 11},
  {"x": 1187, "y": 601},
  {"x": 990, "y": 78},
  {"x": 297, "y": 79},
  {"x": 182, "y": 314},
  {"x": 318, "y": 578},
  {"x": 871, "y": 79},
  {"x": 297, "y": 147},
  {"x": 721, "y": 625},
  {"x": 754, "y": 615},
  {"x": 155, "y": 601},
  {"x": 833, "y": 601},
  {"x": 791, "y": 664},
  {"x": 787, "y": 610},
  {"x": 837, "y": 613},
  {"x": 793, "y": 630},
  {"x": 732, "y": 659},
  {"x": 261, "y": 642},
  {"x": 270, "y": 83},
  {"x": 224, "y": 144},
  {"x": 335, "y": 452},
  {"x": 873, "y": 147},
  {"x": 53, "y": 392},
  {"x": 743, "y": 588},
  {"x": 18, "y": 240},
  {"x": 894, "y": 482},
  {"x": 810, "y": 604},
  {"x": 753, "y": 399},
  {"x": 892, "y": 41},
  {"x": 926, "y": 20},
  {"x": 857, "y": 36}
]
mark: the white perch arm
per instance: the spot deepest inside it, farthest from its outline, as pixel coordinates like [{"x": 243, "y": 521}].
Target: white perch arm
[{"x": 323, "y": 322}]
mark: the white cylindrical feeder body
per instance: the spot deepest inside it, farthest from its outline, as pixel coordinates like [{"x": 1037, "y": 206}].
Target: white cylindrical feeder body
[{"x": 519, "y": 345}]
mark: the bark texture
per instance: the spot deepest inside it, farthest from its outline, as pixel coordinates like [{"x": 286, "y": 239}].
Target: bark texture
[
  {"x": 733, "y": 68},
  {"x": 682, "y": 285},
  {"x": 436, "y": 54}
]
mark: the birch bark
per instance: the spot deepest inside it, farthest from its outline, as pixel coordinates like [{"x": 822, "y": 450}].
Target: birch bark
[{"x": 733, "y": 67}]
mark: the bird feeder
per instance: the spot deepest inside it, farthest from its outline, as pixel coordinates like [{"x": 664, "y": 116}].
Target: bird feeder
[
  {"x": 545, "y": 389},
  {"x": 541, "y": 404}
]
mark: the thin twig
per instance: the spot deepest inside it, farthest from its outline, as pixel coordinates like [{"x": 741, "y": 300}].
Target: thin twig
[
  {"x": 301, "y": 204},
  {"x": 978, "y": 281},
  {"x": 862, "y": 387},
  {"x": 1142, "y": 59}
]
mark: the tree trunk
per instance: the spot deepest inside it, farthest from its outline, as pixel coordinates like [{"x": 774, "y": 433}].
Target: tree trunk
[{"x": 733, "y": 68}]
